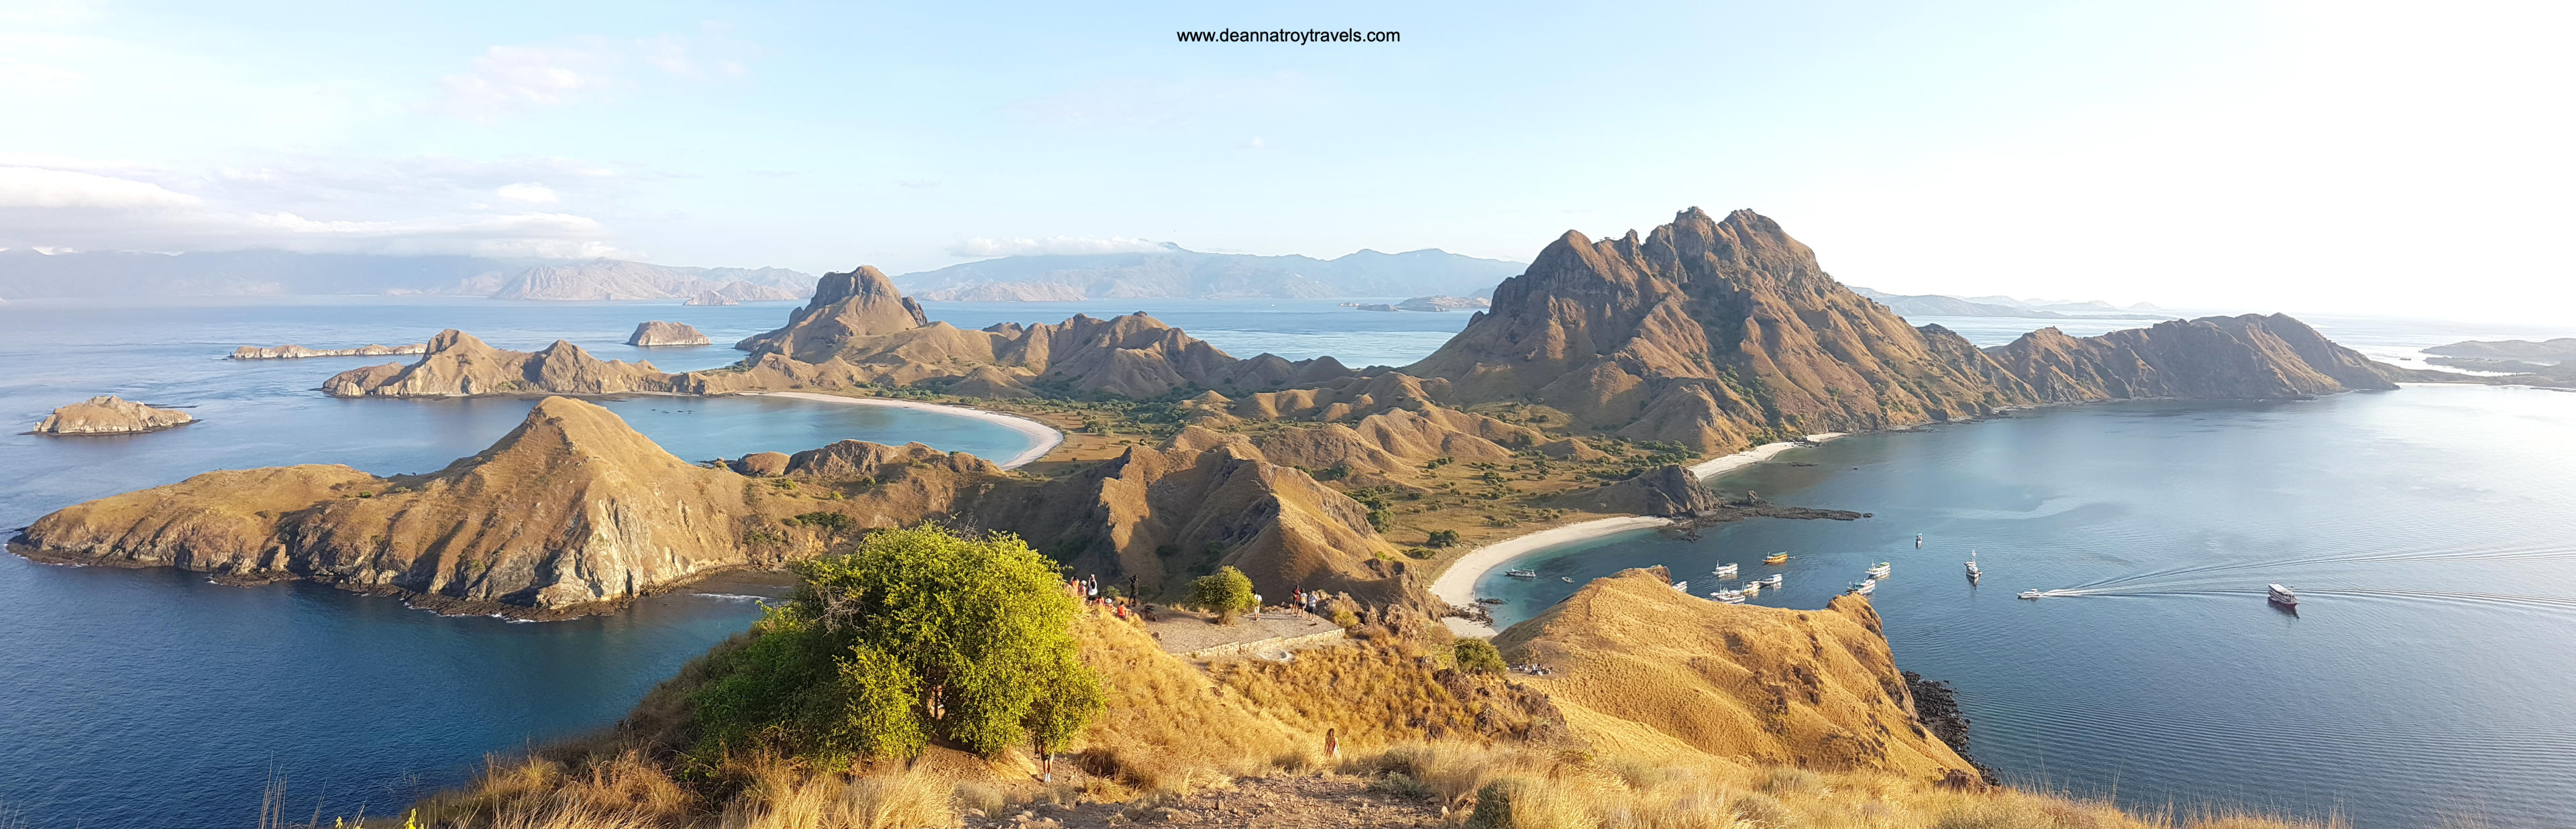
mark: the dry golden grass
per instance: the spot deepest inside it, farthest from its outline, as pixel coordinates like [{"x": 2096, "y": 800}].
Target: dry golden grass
[{"x": 1167, "y": 726}]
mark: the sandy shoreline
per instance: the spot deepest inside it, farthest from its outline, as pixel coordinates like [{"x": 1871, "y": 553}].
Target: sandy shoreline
[
  {"x": 1045, "y": 438},
  {"x": 1457, "y": 585}
]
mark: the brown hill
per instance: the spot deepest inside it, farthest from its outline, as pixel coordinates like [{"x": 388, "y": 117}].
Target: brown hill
[
  {"x": 1708, "y": 332},
  {"x": 2251, "y": 357},
  {"x": 571, "y": 511},
  {"x": 1769, "y": 685},
  {"x": 459, "y": 365},
  {"x": 110, "y": 415}
]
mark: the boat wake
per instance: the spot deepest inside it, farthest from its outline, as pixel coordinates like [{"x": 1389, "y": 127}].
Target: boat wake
[{"x": 2455, "y": 555}]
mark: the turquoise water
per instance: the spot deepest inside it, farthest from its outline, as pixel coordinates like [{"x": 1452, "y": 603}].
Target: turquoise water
[{"x": 2430, "y": 531}]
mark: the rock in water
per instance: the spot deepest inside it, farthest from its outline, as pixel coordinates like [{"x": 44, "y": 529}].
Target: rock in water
[
  {"x": 110, "y": 415},
  {"x": 658, "y": 333},
  {"x": 710, "y": 298}
]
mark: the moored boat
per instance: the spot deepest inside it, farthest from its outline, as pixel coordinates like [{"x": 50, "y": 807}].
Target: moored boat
[
  {"x": 1863, "y": 588},
  {"x": 1879, "y": 570},
  {"x": 1773, "y": 582},
  {"x": 1682, "y": 586},
  {"x": 1521, "y": 574},
  {"x": 2281, "y": 595},
  {"x": 1776, "y": 558},
  {"x": 1973, "y": 572},
  {"x": 1724, "y": 571},
  {"x": 1728, "y": 596}
]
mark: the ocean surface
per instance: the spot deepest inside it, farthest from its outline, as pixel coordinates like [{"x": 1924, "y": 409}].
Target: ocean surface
[
  {"x": 2430, "y": 533},
  {"x": 153, "y": 698}
]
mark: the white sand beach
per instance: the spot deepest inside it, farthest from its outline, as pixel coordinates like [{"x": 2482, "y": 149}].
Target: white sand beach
[
  {"x": 1457, "y": 585},
  {"x": 1044, "y": 437}
]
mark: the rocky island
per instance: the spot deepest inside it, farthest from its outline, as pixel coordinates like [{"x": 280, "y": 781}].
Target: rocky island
[
  {"x": 657, "y": 334},
  {"x": 291, "y": 351},
  {"x": 711, "y": 298},
  {"x": 110, "y": 415}
]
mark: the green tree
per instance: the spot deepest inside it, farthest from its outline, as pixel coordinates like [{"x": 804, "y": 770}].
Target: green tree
[
  {"x": 840, "y": 671},
  {"x": 1441, "y": 538},
  {"x": 1477, "y": 656},
  {"x": 1225, "y": 592}
]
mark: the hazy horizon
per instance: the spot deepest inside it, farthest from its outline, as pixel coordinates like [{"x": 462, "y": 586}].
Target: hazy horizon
[{"x": 2303, "y": 157}]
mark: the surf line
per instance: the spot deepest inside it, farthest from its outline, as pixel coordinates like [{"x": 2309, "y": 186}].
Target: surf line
[{"x": 1042, "y": 438}]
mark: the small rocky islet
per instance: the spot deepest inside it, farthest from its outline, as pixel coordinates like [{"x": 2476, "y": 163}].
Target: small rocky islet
[
  {"x": 659, "y": 334},
  {"x": 111, "y": 415}
]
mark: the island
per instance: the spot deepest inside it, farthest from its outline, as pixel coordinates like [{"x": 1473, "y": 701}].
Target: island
[
  {"x": 711, "y": 298},
  {"x": 110, "y": 415},
  {"x": 291, "y": 351},
  {"x": 1603, "y": 384},
  {"x": 659, "y": 334}
]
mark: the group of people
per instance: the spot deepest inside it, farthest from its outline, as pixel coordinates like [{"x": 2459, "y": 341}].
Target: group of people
[
  {"x": 1087, "y": 590},
  {"x": 1310, "y": 601}
]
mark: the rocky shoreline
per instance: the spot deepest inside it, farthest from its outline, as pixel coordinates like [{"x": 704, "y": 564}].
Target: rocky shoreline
[{"x": 1936, "y": 704}]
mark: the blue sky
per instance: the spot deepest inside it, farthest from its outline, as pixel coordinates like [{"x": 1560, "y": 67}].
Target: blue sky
[{"x": 2307, "y": 156}]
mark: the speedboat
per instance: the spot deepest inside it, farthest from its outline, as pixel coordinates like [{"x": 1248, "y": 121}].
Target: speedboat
[
  {"x": 1776, "y": 558},
  {"x": 1862, "y": 588},
  {"x": 1521, "y": 574},
  {"x": 1773, "y": 582},
  {"x": 1879, "y": 570},
  {"x": 2282, "y": 595},
  {"x": 2032, "y": 594},
  {"x": 1724, "y": 571}
]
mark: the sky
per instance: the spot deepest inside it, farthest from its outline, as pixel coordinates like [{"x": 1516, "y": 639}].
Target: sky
[{"x": 2336, "y": 157}]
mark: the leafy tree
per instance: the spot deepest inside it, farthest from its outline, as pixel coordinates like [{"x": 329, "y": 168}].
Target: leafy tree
[
  {"x": 841, "y": 670},
  {"x": 1441, "y": 539},
  {"x": 1477, "y": 656},
  {"x": 1225, "y": 592}
]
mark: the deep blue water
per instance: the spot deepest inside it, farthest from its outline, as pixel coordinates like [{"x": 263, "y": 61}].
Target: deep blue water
[{"x": 2431, "y": 532}]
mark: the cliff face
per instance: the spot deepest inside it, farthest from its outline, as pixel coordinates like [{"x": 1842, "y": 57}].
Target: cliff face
[
  {"x": 1704, "y": 332},
  {"x": 1638, "y": 664},
  {"x": 110, "y": 415},
  {"x": 571, "y": 511},
  {"x": 2250, "y": 357}
]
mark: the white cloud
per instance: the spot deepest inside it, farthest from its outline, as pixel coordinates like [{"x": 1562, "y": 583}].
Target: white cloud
[
  {"x": 34, "y": 187},
  {"x": 918, "y": 183},
  {"x": 1057, "y": 245},
  {"x": 527, "y": 193},
  {"x": 507, "y": 79}
]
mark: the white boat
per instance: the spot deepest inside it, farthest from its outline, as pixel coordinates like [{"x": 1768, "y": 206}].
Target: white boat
[
  {"x": 2032, "y": 594},
  {"x": 2282, "y": 595},
  {"x": 1773, "y": 582},
  {"x": 1566, "y": 579},
  {"x": 1682, "y": 586},
  {"x": 1521, "y": 574},
  {"x": 1752, "y": 588},
  {"x": 1918, "y": 541},
  {"x": 1973, "y": 572},
  {"x": 1724, "y": 571},
  {"x": 1862, "y": 588},
  {"x": 1728, "y": 596},
  {"x": 1879, "y": 570}
]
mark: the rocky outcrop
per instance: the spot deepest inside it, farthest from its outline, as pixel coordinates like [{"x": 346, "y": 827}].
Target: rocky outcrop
[
  {"x": 2252, "y": 357},
  {"x": 762, "y": 464},
  {"x": 459, "y": 365},
  {"x": 572, "y": 511},
  {"x": 1817, "y": 689},
  {"x": 292, "y": 351},
  {"x": 1669, "y": 490},
  {"x": 1443, "y": 303},
  {"x": 110, "y": 415},
  {"x": 711, "y": 298},
  {"x": 657, "y": 334}
]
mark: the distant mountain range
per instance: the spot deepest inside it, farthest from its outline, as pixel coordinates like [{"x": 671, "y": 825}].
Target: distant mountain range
[
  {"x": 27, "y": 273},
  {"x": 1937, "y": 305},
  {"x": 1177, "y": 272}
]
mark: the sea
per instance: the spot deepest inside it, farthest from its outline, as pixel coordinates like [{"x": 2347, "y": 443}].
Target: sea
[{"x": 155, "y": 698}]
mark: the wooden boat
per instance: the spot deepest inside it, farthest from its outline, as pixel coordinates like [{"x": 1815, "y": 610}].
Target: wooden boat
[{"x": 1776, "y": 558}]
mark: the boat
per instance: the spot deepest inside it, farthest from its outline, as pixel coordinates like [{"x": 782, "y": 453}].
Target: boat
[
  {"x": 1752, "y": 588},
  {"x": 1918, "y": 541},
  {"x": 1773, "y": 582},
  {"x": 1682, "y": 586},
  {"x": 1566, "y": 579},
  {"x": 1776, "y": 558},
  {"x": 2032, "y": 593},
  {"x": 1973, "y": 572},
  {"x": 2282, "y": 595},
  {"x": 1728, "y": 596},
  {"x": 1879, "y": 570},
  {"x": 1862, "y": 588},
  {"x": 1521, "y": 574},
  {"x": 1724, "y": 571}
]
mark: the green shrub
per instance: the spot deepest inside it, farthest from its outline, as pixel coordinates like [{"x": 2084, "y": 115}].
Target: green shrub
[
  {"x": 1441, "y": 539},
  {"x": 840, "y": 671},
  {"x": 828, "y": 521},
  {"x": 1225, "y": 593},
  {"x": 1477, "y": 656}
]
